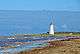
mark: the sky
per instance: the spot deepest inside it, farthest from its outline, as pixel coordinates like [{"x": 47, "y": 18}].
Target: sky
[{"x": 40, "y": 5}]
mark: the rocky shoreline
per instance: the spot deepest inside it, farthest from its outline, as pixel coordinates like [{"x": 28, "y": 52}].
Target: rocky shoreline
[{"x": 71, "y": 46}]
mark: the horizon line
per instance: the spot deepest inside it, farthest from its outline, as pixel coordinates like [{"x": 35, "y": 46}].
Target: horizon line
[{"x": 35, "y": 10}]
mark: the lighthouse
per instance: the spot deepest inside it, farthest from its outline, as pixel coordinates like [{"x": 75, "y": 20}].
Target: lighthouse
[{"x": 51, "y": 28}]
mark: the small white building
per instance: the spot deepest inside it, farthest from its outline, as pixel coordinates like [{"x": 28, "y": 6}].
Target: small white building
[{"x": 51, "y": 28}]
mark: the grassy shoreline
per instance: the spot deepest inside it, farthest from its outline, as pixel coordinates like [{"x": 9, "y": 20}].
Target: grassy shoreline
[{"x": 59, "y": 34}]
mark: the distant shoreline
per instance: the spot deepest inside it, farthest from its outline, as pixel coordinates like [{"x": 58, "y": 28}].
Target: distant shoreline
[{"x": 46, "y": 34}]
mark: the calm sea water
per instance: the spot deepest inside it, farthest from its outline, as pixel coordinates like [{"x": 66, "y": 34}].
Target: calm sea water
[{"x": 20, "y": 22}]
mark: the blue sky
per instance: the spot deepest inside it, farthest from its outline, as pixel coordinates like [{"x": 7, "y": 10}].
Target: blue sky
[{"x": 39, "y": 4}]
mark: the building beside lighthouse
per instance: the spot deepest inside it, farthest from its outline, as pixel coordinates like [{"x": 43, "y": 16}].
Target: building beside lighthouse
[{"x": 51, "y": 28}]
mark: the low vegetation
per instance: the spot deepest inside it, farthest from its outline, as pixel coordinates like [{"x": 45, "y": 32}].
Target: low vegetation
[{"x": 59, "y": 34}]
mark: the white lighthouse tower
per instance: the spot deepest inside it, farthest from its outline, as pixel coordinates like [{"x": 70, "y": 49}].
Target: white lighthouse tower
[{"x": 51, "y": 28}]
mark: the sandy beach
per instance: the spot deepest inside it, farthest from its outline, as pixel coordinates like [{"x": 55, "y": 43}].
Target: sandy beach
[{"x": 57, "y": 47}]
